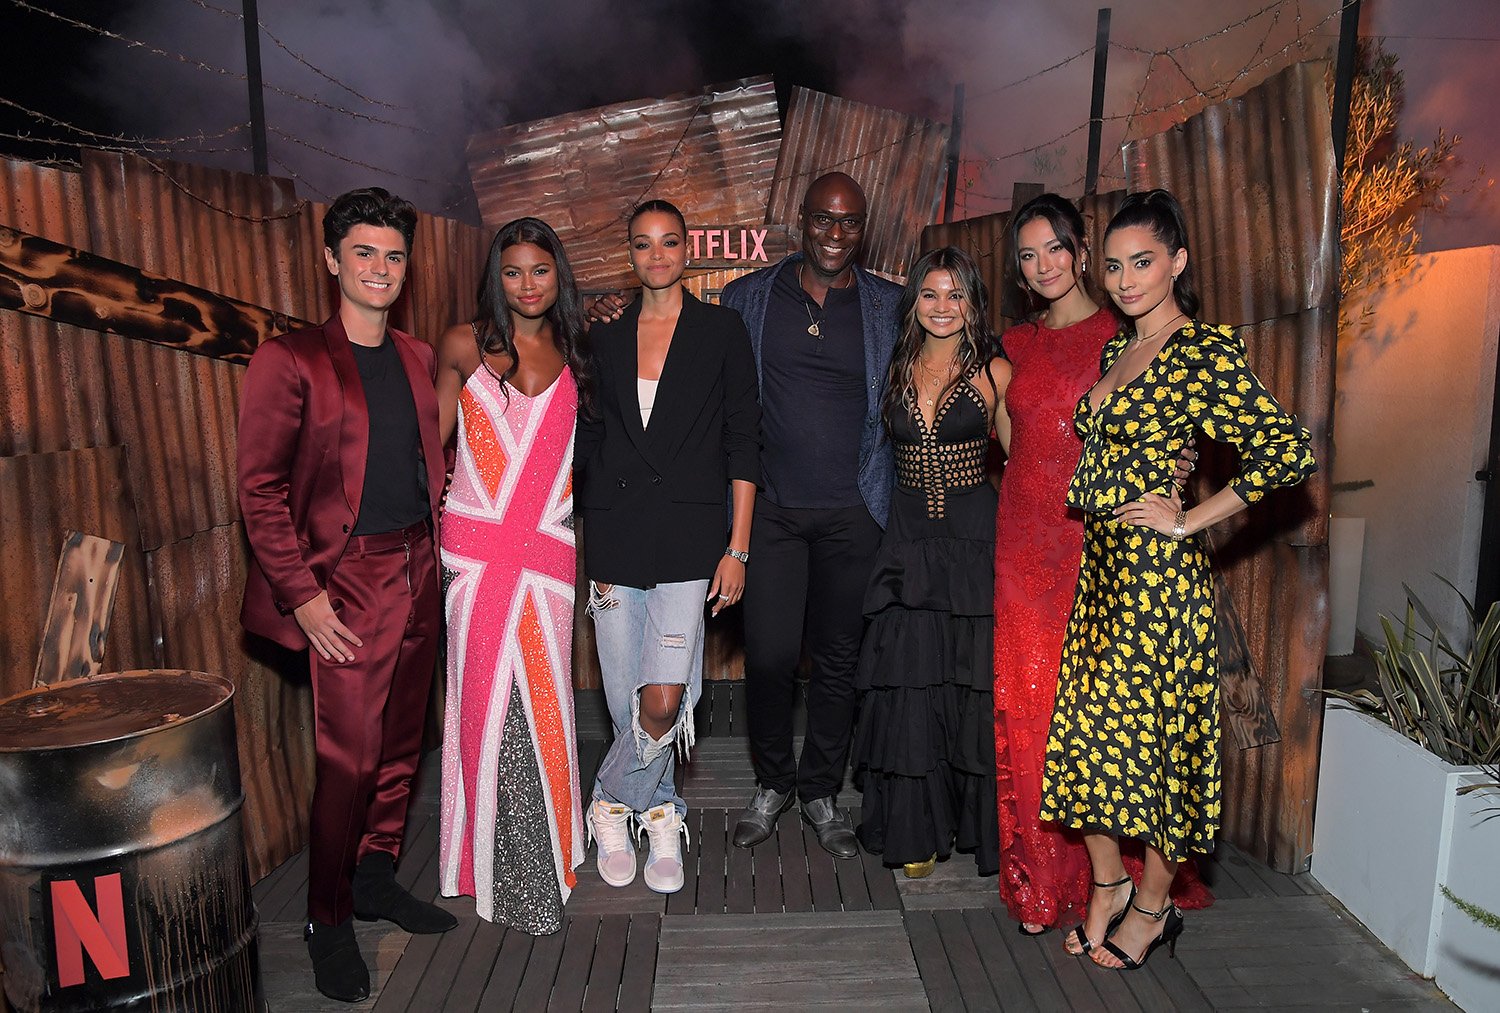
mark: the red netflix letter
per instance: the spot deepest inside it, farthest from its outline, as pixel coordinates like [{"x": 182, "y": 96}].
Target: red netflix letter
[{"x": 75, "y": 928}]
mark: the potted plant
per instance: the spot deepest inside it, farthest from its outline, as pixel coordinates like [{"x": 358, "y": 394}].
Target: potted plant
[{"x": 1403, "y": 799}]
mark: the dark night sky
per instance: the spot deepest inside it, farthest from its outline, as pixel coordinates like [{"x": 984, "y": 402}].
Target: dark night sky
[{"x": 453, "y": 67}]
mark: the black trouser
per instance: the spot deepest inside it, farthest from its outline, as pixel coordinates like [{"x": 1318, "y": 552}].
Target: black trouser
[{"x": 807, "y": 567}]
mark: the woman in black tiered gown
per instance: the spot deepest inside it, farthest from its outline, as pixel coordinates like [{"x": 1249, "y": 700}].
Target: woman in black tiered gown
[{"x": 924, "y": 750}]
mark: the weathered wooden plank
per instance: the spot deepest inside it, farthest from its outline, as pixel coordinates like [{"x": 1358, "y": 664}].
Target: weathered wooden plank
[
  {"x": 608, "y": 964},
  {"x": 739, "y": 878},
  {"x": 739, "y": 712},
  {"x": 417, "y": 849},
  {"x": 510, "y": 969},
  {"x": 963, "y": 957},
  {"x": 881, "y": 883},
  {"x": 473, "y": 973},
  {"x": 573, "y": 968},
  {"x": 723, "y": 703},
  {"x": 1005, "y": 976},
  {"x": 288, "y": 901},
  {"x": 1087, "y": 986},
  {"x": 263, "y": 887},
  {"x": 684, "y": 901},
  {"x": 820, "y": 872},
  {"x": 432, "y": 989},
  {"x": 83, "y": 596},
  {"x": 854, "y": 892},
  {"x": 1036, "y": 969},
  {"x": 796, "y": 888},
  {"x": 639, "y": 972},
  {"x": 941, "y": 986},
  {"x": 399, "y": 993},
  {"x": 539, "y": 971},
  {"x": 48, "y": 279},
  {"x": 766, "y": 862},
  {"x": 712, "y": 867}
]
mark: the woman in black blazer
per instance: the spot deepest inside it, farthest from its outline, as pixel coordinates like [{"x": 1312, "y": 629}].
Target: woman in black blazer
[{"x": 678, "y": 428}]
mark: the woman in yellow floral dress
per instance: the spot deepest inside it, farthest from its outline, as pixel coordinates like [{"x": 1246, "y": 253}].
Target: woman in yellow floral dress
[{"x": 1134, "y": 745}]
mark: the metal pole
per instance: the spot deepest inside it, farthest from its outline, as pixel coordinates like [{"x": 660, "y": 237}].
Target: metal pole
[
  {"x": 257, "y": 94},
  {"x": 1096, "y": 106},
  {"x": 1343, "y": 80},
  {"x": 955, "y": 136}
]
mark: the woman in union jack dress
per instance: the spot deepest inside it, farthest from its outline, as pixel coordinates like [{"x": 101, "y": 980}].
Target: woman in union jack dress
[{"x": 511, "y": 383}]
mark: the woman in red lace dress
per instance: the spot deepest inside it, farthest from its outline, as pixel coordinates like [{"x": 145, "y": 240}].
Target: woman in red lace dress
[{"x": 1044, "y": 870}]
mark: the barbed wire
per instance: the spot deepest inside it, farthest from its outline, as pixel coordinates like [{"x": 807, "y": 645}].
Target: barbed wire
[
  {"x": 59, "y": 142},
  {"x": 300, "y": 180},
  {"x": 285, "y": 135},
  {"x": 240, "y": 17},
  {"x": 210, "y": 204},
  {"x": 143, "y": 143},
  {"x": 210, "y": 68},
  {"x": 1085, "y": 51}
]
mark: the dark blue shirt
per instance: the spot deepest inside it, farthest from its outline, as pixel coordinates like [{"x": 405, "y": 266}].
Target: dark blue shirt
[{"x": 813, "y": 396}]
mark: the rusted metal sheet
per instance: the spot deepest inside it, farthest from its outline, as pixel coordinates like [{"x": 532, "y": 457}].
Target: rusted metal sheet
[
  {"x": 898, "y": 159},
  {"x": 44, "y": 200},
  {"x": 1255, "y": 176},
  {"x": 197, "y": 584},
  {"x": 233, "y": 233},
  {"x": 442, "y": 283},
  {"x": 1250, "y": 169},
  {"x": 711, "y": 154},
  {"x": 42, "y": 498},
  {"x": 987, "y": 240},
  {"x": 76, "y": 630},
  {"x": 52, "y": 280}
]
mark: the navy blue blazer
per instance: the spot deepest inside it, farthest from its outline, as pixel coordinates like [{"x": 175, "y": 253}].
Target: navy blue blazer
[{"x": 878, "y": 303}]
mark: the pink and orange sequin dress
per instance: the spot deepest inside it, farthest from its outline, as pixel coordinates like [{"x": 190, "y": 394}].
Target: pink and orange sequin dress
[{"x": 512, "y": 826}]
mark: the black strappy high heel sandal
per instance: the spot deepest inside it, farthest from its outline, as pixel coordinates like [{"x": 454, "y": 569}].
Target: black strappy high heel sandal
[
  {"x": 1169, "y": 933},
  {"x": 1079, "y": 933}
]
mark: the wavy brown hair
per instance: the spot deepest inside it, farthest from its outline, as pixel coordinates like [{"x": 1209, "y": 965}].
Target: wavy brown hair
[{"x": 976, "y": 345}]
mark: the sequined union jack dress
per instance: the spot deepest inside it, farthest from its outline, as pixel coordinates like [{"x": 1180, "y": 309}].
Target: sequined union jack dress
[{"x": 512, "y": 828}]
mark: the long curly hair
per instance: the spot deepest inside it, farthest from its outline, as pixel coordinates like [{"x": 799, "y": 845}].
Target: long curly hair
[
  {"x": 494, "y": 329},
  {"x": 976, "y": 346}
]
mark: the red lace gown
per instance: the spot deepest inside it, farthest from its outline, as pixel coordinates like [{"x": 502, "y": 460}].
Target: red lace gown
[{"x": 1044, "y": 870}]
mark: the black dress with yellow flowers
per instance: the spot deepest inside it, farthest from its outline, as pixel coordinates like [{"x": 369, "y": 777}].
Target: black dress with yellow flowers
[{"x": 1134, "y": 744}]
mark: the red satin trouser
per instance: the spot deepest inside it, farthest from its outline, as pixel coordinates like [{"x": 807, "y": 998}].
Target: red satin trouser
[{"x": 370, "y": 711}]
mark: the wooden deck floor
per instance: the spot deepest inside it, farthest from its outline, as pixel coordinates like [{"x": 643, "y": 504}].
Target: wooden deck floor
[{"x": 786, "y": 927}]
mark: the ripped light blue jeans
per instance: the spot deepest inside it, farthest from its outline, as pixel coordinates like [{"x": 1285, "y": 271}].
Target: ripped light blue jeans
[{"x": 651, "y": 636}]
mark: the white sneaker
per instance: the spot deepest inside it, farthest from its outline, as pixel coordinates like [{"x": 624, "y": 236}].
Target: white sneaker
[
  {"x": 609, "y": 827},
  {"x": 662, "y": 825}
]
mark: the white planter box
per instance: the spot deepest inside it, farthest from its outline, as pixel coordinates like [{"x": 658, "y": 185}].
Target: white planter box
[
  {"x": 1382, "y": 834},
  {"x": 1468, "y": 954}
]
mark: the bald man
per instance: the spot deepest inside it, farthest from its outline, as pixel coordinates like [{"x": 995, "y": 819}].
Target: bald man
[{"x": 822, "y": 329}]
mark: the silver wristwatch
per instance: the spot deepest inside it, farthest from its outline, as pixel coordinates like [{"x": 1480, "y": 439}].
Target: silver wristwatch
[{"x": 743, "y": 557}]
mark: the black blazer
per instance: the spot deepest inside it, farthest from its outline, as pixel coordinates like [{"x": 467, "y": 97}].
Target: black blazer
[{"x": 654, "y": 501}]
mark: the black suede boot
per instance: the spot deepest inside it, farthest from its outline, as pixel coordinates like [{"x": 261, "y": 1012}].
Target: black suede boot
[
  {"x": 378, "y": 895},
  {"x": 338, "y": 969}
]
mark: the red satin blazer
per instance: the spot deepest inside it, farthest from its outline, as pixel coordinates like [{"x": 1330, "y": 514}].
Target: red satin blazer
[{"x": 304, "y": 433}]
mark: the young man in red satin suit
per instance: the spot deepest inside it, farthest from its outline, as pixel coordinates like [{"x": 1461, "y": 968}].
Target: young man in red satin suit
[{"x": 340, "y": 473}]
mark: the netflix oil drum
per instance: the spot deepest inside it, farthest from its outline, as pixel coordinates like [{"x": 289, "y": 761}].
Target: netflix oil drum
[{"x": 123, "y": 883}]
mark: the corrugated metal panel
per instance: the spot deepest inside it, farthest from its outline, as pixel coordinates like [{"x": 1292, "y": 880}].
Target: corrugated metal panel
[
  {"x": 43, "y": 200},
  {"x": 443, "y": 280},
  {"x": 54, "y": 381},
  {"x": 42, "y": 497},
  {"x": 898, "y": 159},
  {"x": 1256, "y": 177},
  {"x": 197, "y": 584},
  {"x": 711, "y": 154},
  {"x": 1249, "y": 169},
  {"x": 230, "y": 232}
]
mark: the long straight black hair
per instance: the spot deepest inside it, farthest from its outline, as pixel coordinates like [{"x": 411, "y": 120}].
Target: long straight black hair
[
  {"x": 976, "y": 346},
  {"x": 494, "y": 329},
  {"x": 1160, "y": 212}
]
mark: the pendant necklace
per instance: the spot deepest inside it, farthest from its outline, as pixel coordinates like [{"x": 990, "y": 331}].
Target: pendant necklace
[
  {"x": 939, "y": 380},
  {"x": 814, "y": 324},
  {"x": 1141, "y": 341}
]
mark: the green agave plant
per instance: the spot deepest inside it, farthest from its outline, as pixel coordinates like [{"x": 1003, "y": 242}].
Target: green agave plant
[{"x": 1444, "y": 699}]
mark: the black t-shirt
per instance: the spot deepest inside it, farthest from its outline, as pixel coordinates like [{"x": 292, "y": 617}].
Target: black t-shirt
[
  {"x": 395, "y": 492},
  {"x": 813, "y": 396}
]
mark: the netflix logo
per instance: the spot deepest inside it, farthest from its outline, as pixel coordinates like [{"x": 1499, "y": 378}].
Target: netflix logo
[{"x": 736, "y": 246}]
